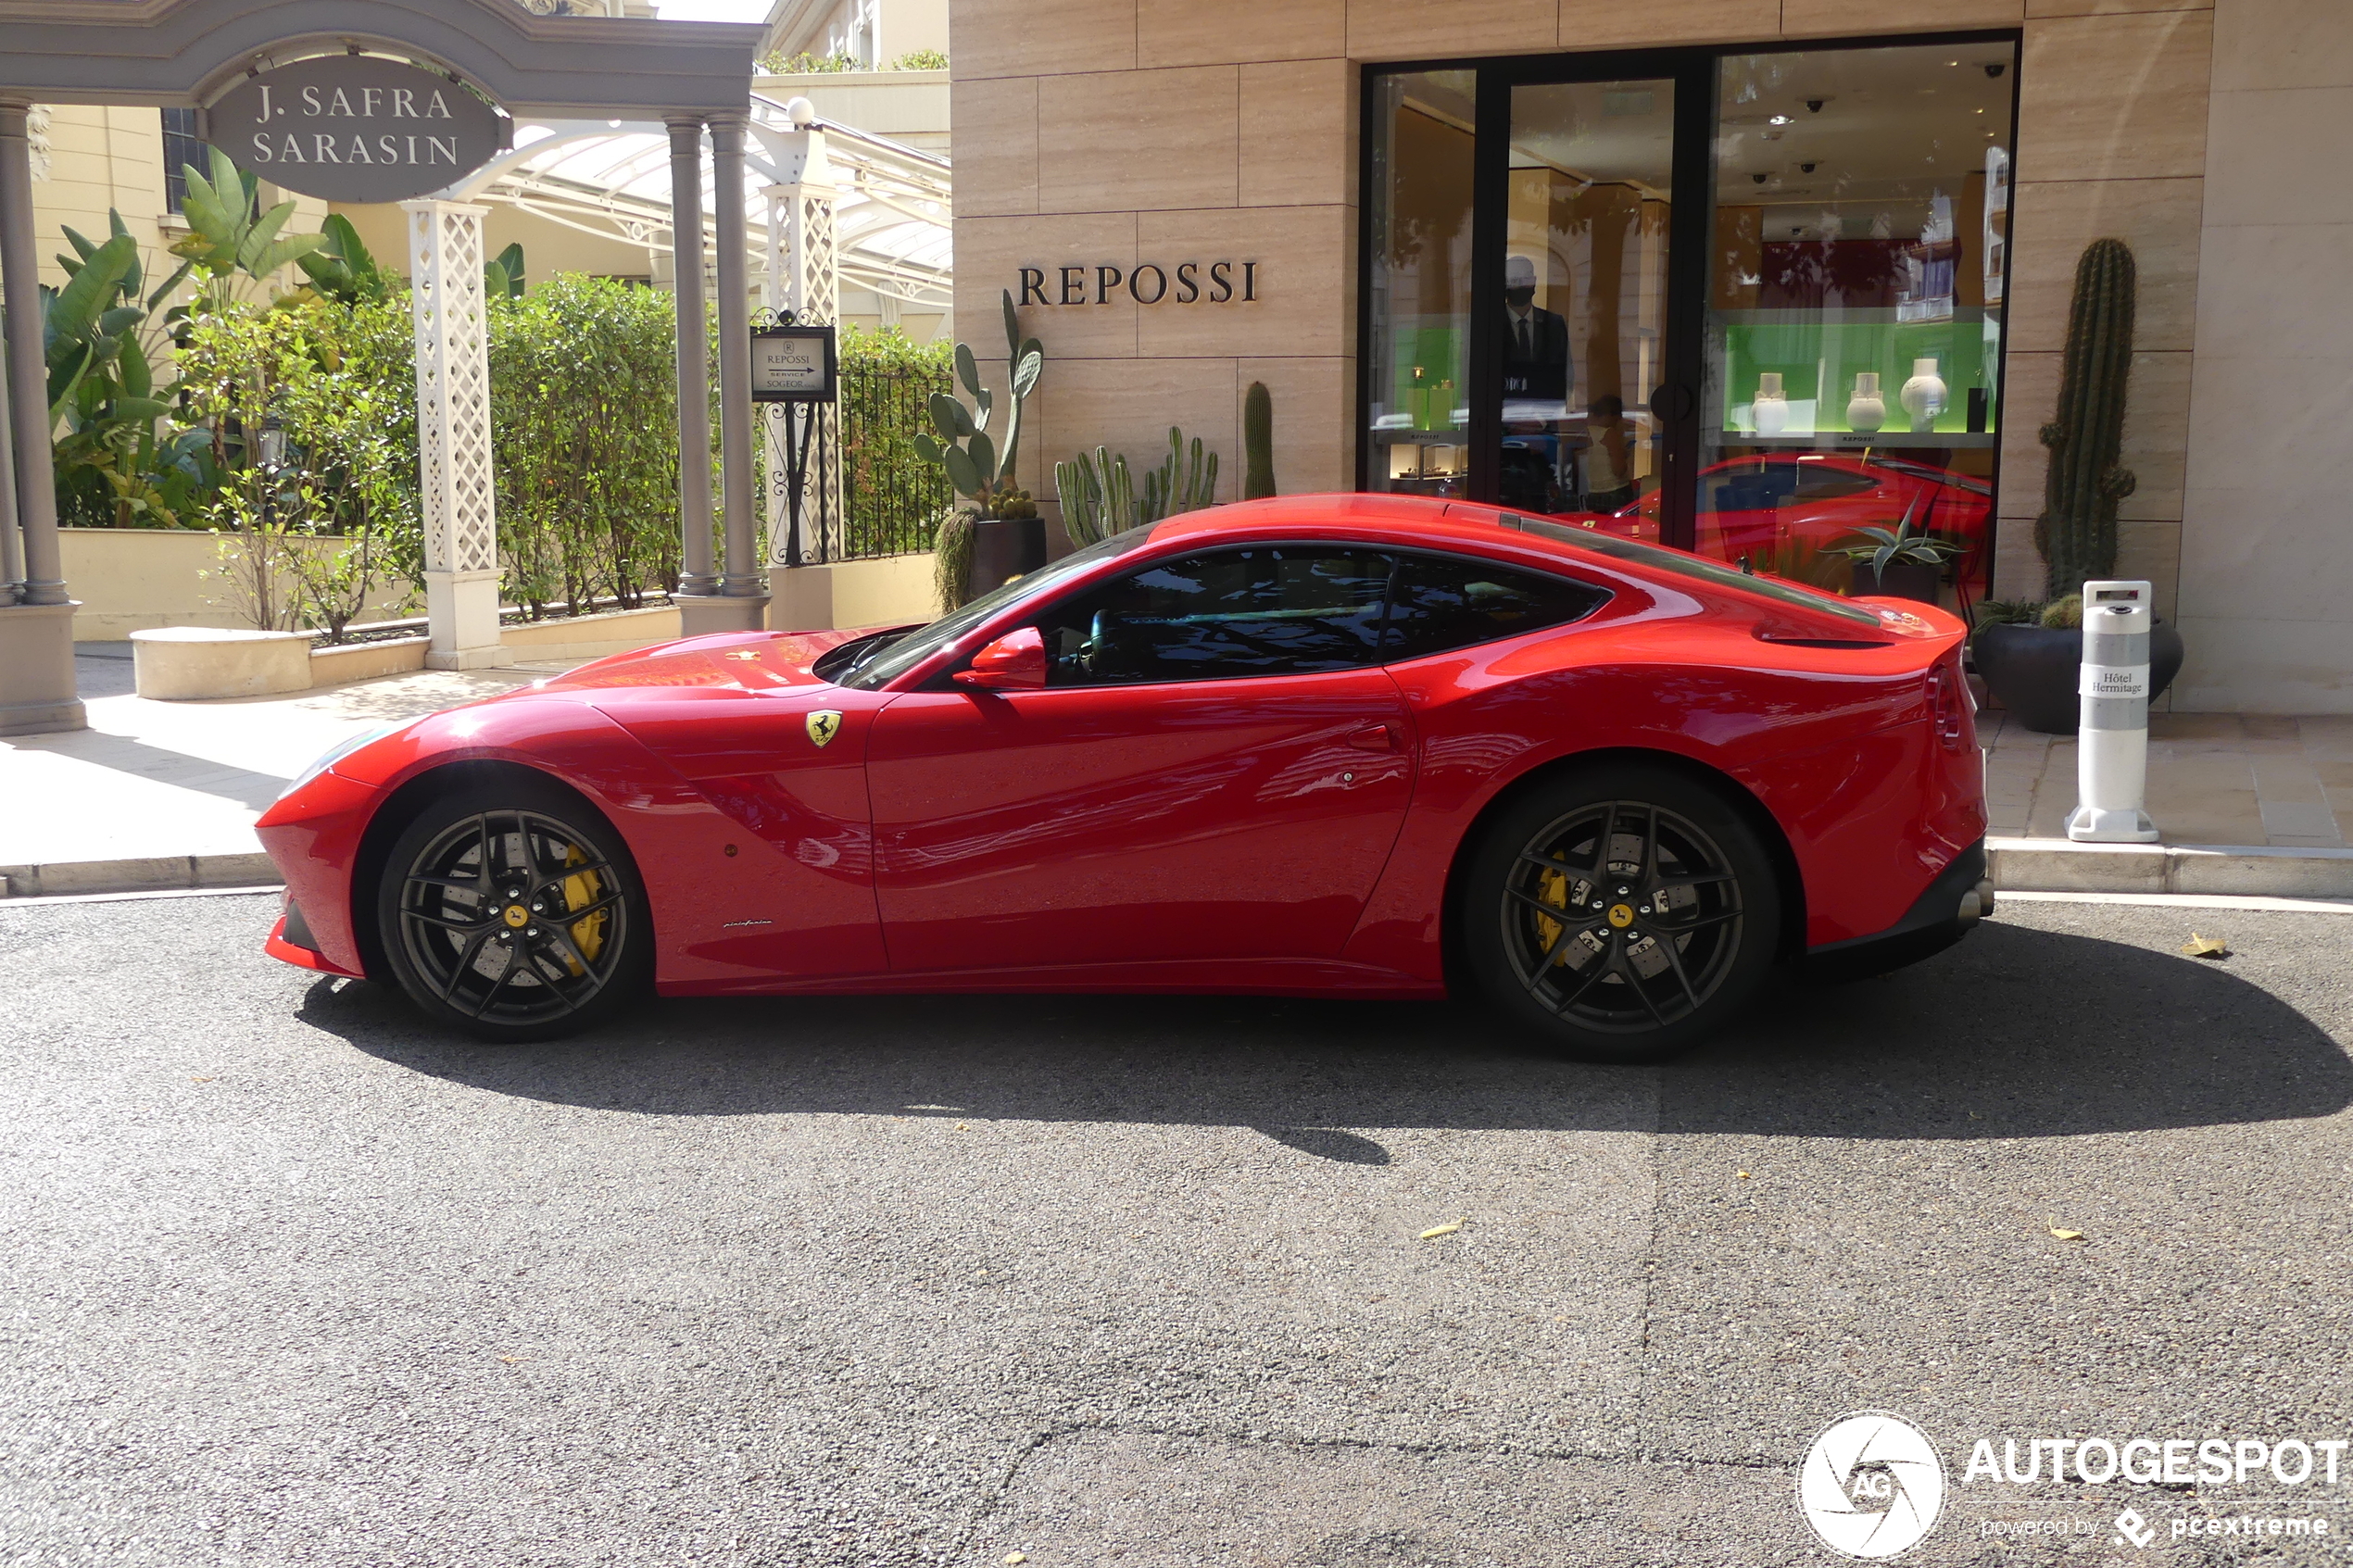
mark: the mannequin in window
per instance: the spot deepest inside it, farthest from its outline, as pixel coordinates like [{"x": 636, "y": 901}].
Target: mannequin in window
[{"x": 1536, "y": 363}]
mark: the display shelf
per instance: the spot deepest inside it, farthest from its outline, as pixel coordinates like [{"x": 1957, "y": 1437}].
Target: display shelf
[{"x": 1849, "y": 441}]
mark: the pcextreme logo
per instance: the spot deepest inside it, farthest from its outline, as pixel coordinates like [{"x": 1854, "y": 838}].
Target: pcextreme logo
[{"x": 1871, "y": 1485}]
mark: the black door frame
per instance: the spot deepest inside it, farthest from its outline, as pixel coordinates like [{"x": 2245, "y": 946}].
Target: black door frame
[{"x": 1690, "y": 238}]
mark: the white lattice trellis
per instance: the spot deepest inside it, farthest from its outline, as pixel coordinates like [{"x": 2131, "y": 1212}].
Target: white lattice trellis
[
  {"x": 453, "y": 429},
  {"x": 804, "y": 277}
]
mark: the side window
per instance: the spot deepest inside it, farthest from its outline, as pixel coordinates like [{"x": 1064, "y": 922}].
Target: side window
[
  {"x": 1272, "y": 611},
  {"x": 1454, "y": 602}
]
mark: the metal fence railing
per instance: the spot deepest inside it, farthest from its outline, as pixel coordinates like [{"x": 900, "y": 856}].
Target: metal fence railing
[{"x": 893, "y": 500}]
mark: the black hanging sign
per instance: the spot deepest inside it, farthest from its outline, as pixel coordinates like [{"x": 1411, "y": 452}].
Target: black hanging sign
[{"x": 794, "y": 365}]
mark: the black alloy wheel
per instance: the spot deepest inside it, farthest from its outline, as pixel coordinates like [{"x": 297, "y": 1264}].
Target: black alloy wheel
[
  {"x": 513, "y": 913},
  {"x": 1625, "y": 913}
]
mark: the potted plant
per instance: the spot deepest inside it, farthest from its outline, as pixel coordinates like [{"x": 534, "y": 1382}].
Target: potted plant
[
  {"x": 1002, "y": 535},
  {"x": 2028, "y": 654},
  {"x": 1897, "y": 562}
]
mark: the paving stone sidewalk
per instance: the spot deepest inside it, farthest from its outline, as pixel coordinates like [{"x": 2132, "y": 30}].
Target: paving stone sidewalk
[{"x": 164, "y": 795}]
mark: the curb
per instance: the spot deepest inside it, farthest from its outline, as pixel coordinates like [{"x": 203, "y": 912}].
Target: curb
[
  {"x": 154, "y": 874},
  {"x": 2059, "y": 865}
]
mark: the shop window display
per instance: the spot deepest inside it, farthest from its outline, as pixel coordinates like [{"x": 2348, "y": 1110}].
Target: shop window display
[
  {"x": 1853, "y": 349},
  {"x": 1812, "y": 345}
]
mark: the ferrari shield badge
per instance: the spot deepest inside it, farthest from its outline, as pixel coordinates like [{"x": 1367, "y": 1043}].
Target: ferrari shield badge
[{"x": 824, "y": 725}]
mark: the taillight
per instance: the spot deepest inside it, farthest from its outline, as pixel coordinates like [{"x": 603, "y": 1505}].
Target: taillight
[{"x": 1949, "y": 703}]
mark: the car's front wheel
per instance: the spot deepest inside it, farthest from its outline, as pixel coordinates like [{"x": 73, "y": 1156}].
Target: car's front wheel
[
  {"x": 510, "y": 909},
  {"x": 1624, "y": 912}
]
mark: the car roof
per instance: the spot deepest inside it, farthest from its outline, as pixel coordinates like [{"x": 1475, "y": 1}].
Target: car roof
[{"x": 1431, "y": 522}]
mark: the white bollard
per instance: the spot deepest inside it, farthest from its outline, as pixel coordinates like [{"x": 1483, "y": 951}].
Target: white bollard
[{"x": 2112, "y": 744}]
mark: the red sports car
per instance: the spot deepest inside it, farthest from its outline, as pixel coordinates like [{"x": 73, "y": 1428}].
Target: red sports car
[{"x": 1334, "y": 745}]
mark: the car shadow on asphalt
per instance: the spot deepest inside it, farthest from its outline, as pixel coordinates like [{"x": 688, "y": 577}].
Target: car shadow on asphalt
[{"x": 2016, "y": 1033}]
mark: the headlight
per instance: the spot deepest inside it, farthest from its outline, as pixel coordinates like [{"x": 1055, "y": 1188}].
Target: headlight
[{"x": 334, "y": 753}]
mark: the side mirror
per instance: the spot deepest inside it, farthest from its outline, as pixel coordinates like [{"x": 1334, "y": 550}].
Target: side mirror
[{"x": 1014, "y": 661}]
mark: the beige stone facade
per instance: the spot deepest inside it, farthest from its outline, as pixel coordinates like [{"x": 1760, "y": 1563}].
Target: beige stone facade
[{"x": 1120, "y": 131}]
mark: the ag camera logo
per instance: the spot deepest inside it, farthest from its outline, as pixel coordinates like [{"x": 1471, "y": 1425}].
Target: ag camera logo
[{"x": 1871, "y": 1485}]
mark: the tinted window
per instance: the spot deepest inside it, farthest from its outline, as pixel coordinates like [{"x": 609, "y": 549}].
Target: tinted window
[
  {"x": 1453, "y": 603},
  {"x": 1286, "y": 610},
  {"x": 880, "y": 660},
  {"x": 1657, "y": 557}
]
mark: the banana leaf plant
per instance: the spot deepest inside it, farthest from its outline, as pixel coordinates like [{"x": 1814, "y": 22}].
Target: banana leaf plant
[
  {"x": 103, "y": 335},
  {"x": 980, "y": 467},
  {"x": 342, "y": 269},
  {"x": 502, "y": 279},
  {"x": 231, "y": 236}
]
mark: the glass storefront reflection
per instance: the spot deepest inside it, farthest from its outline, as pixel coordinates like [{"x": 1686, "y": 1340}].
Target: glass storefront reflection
[
  {"x": 1418, "y": 233},
  {"x": 1854, "y": 329},
  {"x": 1583, "y": 335}
]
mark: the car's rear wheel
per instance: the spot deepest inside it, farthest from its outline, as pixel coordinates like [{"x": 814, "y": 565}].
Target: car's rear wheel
[
  {"x": 511, "y": 911},
  {"x": 1622, "y": 913}
]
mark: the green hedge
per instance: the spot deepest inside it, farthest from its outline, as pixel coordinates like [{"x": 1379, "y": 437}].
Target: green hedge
[{"x": 583, "y": 436}]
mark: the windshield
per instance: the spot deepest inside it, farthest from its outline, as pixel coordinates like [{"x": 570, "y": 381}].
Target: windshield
[
  {"x": 1700, "y": 567},
  {"x": 894, "y": 659}
]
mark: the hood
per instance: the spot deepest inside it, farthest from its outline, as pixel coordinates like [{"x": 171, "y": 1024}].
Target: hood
[{"x": 749, "y": 661}]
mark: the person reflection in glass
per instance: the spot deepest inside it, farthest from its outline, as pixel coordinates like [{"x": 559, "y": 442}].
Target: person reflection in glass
[
  {"x": 1536, "y": 363},
  {"x": 1609, "y": 482}
]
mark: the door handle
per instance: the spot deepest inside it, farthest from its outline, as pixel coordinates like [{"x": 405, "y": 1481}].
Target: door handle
[{"x": 1375, "y": 737}]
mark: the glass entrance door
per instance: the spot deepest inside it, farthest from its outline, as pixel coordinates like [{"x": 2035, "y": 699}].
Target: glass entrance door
[{"x": 1580, "y": 344}]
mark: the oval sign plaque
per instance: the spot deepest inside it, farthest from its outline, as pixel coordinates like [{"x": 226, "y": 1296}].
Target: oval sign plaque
[{"x": 355, "y": 129}]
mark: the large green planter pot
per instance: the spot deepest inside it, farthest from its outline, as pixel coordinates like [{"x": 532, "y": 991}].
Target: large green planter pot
[
  {"x": 2033, "y": 670},
  {"x": 1004, "y": 549}
]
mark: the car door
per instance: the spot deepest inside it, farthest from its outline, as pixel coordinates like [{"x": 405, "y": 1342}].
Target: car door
[{"x": 1217, "y": 769}]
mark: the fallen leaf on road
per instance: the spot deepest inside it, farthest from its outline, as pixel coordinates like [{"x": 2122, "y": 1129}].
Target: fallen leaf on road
[
  {"x": 204, "y": 1080},
  {"x": 1436, "y": 1231},
  {"x": 1742, "y": 1175},
  {"x": 962, "y": 1128},
  {"x": 2051, "y": 1223},
  {"x": 1016, "y": 1556},
  {"x": 2205, "y": 947},
  {"x": 511, "y": 1360}
]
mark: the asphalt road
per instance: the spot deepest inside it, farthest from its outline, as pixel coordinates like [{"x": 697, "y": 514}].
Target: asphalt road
[{"x": 289, "y": 1280}]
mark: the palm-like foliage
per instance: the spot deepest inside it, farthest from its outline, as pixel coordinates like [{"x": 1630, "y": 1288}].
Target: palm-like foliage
[
  {"x": 102, "y": 334},
  {"x": 231, "y": 237}
]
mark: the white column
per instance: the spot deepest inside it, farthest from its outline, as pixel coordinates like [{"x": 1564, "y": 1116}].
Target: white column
[
  {"x": 804, "y": 279},
  {"x": 453, "y": 432},
  {"x": 740, "y": 580},
  {"x": 696, "y": 576}
]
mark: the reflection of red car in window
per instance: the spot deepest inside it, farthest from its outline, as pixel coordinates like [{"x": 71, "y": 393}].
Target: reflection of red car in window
[{"x": 1760, "y": 507}]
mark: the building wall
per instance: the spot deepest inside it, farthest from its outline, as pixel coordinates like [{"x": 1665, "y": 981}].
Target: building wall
[
  {"x": 875, "y": 31},
  {"x": 2267, "y": 555},
  {"x": 1108, "y": 130}
]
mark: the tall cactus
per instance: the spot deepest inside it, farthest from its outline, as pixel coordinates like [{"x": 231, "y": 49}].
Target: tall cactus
[
  {"x": 1180, "y": 484},
  {"x": 2077, "y": 530},
  {"x": 1258, "y": 442}
]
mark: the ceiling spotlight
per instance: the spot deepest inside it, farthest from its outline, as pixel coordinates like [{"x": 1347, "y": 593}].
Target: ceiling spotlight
[
  {"x": 1993, "y": 69},
  {"x": 1760, "y": 179},
  {"x": 1781, "y": 120}
]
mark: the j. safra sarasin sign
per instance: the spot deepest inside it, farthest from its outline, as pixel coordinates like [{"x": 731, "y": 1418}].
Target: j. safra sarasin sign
[{"x": 355, "y": 128}]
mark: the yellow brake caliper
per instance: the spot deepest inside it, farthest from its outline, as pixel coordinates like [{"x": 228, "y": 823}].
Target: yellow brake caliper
[
  {"x": 1553, "y": 889},
  {"x": 581, "y": 890}
]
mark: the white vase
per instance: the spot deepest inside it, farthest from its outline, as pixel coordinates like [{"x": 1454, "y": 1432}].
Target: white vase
[
  {"x": 1923, "y": 395},
  {"x": 1770, "y": 408},
  {"x": 1865, "y": 411}
]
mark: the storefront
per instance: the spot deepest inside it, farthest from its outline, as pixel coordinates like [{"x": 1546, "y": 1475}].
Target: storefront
[
  {"x": 1743, "y": 275},
  {"x": 1746, "y": 303}
]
